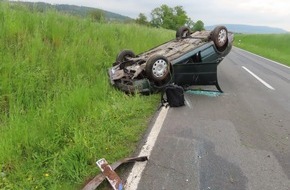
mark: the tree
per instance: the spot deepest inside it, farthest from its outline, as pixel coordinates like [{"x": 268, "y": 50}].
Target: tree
[
  {"x": 169, "y": 18},
  {"x": 142, "y": 19},
  {"x": 198, "y": 26},
  {"x": 160, "y": 16},
  {"x": 189, "y": 23},
  {"x": 181, "y": 17}
]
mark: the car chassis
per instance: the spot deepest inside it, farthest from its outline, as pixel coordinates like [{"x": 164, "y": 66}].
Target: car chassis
[{"x": 189, "y": 59}]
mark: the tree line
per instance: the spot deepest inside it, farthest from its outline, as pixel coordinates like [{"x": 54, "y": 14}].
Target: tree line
[
  {"x": 161, "y": 17},
  {"x": 169, "y": 18}
]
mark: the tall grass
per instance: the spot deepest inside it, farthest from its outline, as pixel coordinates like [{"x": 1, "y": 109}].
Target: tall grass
[
  {"x": 58, "y": 112},
  {"x": 272, "y": 46}
]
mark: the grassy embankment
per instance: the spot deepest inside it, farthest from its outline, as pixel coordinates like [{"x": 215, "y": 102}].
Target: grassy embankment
[
  {"x": 272, "y": 46},
  {"x": 58, "y": 112}
]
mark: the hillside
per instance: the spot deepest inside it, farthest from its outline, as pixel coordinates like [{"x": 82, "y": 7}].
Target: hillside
[
  {"x": 248, "y": 29},
  {"x": 73, "y": 9}
]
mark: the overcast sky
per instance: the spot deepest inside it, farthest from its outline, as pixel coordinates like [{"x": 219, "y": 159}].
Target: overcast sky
[{"x": 274, "y": 13}]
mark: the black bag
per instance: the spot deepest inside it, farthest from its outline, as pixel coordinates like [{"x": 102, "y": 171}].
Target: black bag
[{"x": 174, "y": 96}]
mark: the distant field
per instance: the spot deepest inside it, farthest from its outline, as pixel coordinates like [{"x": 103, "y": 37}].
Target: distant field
[
  {"x": 272, "y": 46},
  {"x": 58, "y": 112}
]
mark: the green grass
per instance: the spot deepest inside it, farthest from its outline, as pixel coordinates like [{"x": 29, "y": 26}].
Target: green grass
[
  {"x": 58, "y": 112},
  {"x": 272, "y": 46}
]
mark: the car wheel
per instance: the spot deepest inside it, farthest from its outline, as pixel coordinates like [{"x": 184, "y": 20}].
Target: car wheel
[
  {"x": 220, "y": 37},
  {"x": 183, "y": 32},
  {"x": 157, "y": 68},
  {"x": 123, "y": 56}
]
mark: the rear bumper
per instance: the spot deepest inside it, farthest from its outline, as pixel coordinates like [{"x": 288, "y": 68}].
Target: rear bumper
[{"x": 131, "y": 86}]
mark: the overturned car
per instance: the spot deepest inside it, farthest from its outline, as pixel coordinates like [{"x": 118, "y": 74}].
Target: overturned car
[{"x": 189, "y": 59}]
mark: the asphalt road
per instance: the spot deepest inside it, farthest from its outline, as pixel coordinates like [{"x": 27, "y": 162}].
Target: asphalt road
[{"x": 236, "y": 140}]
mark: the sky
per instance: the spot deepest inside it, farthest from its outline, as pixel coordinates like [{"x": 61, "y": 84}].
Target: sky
[{"x": 273, "y": 13}]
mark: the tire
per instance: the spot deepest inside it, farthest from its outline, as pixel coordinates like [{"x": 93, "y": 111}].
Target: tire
[
  {"x": 220, "y": 37},
  {"x": 158, "y": 68},
  {"x": 123, "y": 56},
  {"x": 183, "y": 32}
]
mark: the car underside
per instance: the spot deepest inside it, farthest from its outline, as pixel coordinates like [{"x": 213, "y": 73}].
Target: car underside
[{"x": 189, "y": 59}]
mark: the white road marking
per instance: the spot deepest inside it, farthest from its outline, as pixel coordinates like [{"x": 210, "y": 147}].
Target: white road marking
[
  {"x": 187, "y": 103},
  {"x": 258, "y": 78},
  {"x": 135, "y": 175},
  {"x": 264, "y": 58}
]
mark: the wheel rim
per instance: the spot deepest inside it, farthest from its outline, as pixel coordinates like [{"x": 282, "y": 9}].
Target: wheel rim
[
  {"x": 222, "y": 37},
  {"x": 159, "y": 68}
]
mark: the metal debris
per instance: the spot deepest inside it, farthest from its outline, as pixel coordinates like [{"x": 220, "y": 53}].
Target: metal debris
[
  {"x": 96, "y": 181},
  {"x": 110, "y": 174}
]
